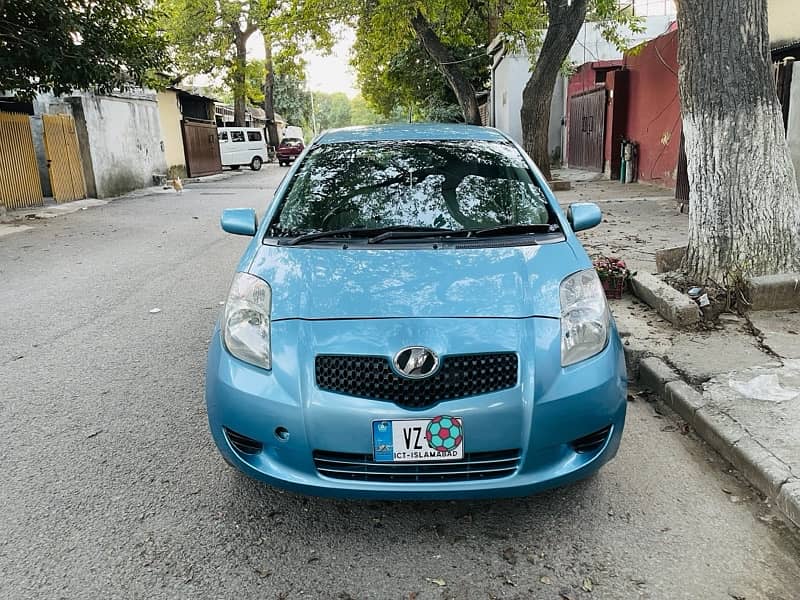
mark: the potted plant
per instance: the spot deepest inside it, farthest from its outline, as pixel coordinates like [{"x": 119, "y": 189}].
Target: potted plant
[{"x": 613, "y": 275}]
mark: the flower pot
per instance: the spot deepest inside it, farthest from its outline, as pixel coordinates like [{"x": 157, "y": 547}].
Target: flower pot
[{"x": 614, "y": 286}]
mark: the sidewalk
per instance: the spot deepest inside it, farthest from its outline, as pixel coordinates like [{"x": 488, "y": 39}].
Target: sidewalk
[
  {"x": 14, "y": 221},
  {"x": 736, "y": 382}
]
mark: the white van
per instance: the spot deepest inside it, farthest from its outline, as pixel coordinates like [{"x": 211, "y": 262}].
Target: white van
[
  {"x": 242, "y": 146},
  {"x": 293, "y": 131}
]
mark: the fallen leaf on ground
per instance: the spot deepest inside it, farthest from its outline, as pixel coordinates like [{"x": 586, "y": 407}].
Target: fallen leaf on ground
[
  {"x": 155, "y": 311},
  {"x": 587, "y": 586},
  {"x": 439, "y": 582},
  {"x": 545, "y": 580}
]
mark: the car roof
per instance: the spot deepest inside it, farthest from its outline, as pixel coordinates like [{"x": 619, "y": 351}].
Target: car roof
[{"x": 411, "y": 131}]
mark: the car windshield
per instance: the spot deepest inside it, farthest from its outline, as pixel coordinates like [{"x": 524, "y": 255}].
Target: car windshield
[
  {"x": 453, "y": 185},
  {"x": 291, "y": 142}
]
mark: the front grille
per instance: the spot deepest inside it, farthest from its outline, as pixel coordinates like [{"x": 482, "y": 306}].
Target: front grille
[
  {"x": 361, "y": 467},
  {"x": 591, "y": 442},
  {"x": 242, "y": 443},
  {"x": 458, "y": 377}
]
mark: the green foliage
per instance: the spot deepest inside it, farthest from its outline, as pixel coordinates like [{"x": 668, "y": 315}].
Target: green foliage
[
  {"x": 362, "y": 113},
  {"x": 332, "y": 110},
  {"x": 393, "y": 69},
  {"x": 292, "y": 101},
  {"x": 411, "y": 81},
  {"x": 203, "y": 35},
  {"x": 61, "y": 45}
]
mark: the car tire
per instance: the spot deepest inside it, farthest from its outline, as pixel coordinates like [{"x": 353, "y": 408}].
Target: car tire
[
  {"x": 235, "y": 167},
  {"x": 256, "y": 163}
]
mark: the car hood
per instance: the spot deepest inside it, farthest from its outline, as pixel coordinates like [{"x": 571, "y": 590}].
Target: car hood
[{"x": 334, "y": 283}]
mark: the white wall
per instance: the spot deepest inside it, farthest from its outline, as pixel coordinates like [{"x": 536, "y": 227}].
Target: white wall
[
  {"x": 793, "y": 129},
  {"x": 124, "y": 141},
  {"x": 510, "y": 77}
]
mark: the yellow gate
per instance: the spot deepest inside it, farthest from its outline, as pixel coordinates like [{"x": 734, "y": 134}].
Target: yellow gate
[
  {"x": 63, "y": 158},
  {"x": 19, "y": 172}
]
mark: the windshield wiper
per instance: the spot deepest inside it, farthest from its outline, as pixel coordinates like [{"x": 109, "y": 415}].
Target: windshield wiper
[
  {"x": 408, "y": 233},
  {"x": 373, "y": 233},
  {"x": 501, "y": 230}
]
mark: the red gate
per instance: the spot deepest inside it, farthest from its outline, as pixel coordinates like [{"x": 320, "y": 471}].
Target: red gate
[{"x": 587, "y": 128}]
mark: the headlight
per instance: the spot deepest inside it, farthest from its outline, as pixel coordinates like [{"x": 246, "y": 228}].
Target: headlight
[
  {"x": 585, "y": 319},
  {"x": 246, "y": 320}
]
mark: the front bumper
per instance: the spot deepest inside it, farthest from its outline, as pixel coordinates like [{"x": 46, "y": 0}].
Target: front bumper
[{"x": 548, "y": 409}]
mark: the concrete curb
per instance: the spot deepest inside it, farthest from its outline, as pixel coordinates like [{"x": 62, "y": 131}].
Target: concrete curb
[
  {"x": 676, "y": 308},
  {"x": 774, "y": 292},
  {"x": 762, "y": 468}
]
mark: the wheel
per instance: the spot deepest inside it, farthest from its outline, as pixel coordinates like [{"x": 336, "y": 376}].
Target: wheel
[
  {"x": 281, "y": 163},
  {"x": 256, "y": 163},
  {"x": 235, "y": 167}
]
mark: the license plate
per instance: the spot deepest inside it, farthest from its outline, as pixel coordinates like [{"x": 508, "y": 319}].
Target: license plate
[{"x": 418, "y": 440}]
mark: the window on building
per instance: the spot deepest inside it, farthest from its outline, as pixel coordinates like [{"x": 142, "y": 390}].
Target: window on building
[{"x": 237, "y": 136}]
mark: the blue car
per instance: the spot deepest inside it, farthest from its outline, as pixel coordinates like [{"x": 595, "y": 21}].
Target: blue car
[{"x": 415, "y": 319}]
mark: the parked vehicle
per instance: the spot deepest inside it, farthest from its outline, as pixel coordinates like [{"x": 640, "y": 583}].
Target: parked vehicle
[
  {"x": 242, "y": 146},
  {"x": 289, "y": 149},
  {"x": 415, "y": 318}
]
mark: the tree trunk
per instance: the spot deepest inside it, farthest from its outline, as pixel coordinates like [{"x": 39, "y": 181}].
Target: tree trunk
[
  {"x": 744, "y": 211},
  {"x": 269, "y": 93},
  {"x": 240, "y": 78},
  {"x": 565, "y": 21},
  {"x": 445, "y": 61}
]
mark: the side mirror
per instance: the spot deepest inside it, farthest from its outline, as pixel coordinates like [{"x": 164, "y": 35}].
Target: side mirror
[
  {"x": 239, "y": 221},
  {"x": 584, "y": 215}
]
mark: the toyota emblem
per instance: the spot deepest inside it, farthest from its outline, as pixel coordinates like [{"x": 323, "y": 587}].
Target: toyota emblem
[{"x": 416, "y": 362}]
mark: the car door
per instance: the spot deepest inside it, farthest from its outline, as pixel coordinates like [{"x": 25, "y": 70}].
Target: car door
[
  {"x": 256, "y": 144},
  {"x": 224, "y": 146},
  {"x": 239, "y": 154}
]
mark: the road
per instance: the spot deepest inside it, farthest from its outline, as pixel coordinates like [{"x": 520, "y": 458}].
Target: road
[{"x": 112, "y": 488}]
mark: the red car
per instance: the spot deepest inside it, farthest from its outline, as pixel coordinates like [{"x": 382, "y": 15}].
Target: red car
[{"x": 289, "y": 150}]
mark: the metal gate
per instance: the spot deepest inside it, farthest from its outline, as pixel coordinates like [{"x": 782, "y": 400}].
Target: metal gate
[
  {"x": 682, "y": 180},
  {"x": 63, "y": 158},
  {"x": 201, "y": 147},
  {"x": 783, "y": 86},
  {"x": 587, "y": 128},
  {"x": 20, "y": 186}
]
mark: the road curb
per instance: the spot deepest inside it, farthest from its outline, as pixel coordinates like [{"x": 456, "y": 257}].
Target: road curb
[{"x": 763, "y": 470}]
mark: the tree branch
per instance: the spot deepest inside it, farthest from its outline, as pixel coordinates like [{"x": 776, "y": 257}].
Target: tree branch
[{"x": 445, "y": 62}]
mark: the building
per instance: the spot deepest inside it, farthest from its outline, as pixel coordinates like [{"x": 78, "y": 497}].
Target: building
[
  {"x": 511, "y": 69},
  {"x": 189, "y": 133},
  {"x": 78, "y": 145},
  {"x": 637, "y": 99}
]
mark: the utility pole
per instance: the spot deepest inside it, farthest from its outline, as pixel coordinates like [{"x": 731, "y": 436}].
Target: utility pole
[{"x": 313, "y": 114}]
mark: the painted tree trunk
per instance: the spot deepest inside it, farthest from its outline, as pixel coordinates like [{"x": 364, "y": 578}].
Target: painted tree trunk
[
  {"x": 565, "y": 20},
  {"x": 240, "y": 81},
  {"x": 744, "y": 212},
  {"x": 269, "y": 94},
  {"x": 446, "y": 63}
]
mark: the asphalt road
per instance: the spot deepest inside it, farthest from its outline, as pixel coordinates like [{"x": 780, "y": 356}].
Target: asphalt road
[{"x": 111, "y": 486}]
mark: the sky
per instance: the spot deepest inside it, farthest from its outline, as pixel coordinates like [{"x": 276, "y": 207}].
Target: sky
[{"x": 325, "y": 73}]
